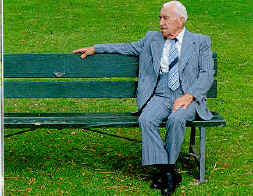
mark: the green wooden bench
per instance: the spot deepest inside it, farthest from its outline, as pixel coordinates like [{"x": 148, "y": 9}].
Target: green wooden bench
[{"x": 17, "y": 66}]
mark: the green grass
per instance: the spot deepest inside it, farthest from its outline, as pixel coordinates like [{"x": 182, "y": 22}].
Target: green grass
[{"x": 81, "y": 162}]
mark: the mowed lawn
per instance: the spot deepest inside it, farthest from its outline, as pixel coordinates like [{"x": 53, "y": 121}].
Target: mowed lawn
[{"x": 82, "y": 162}]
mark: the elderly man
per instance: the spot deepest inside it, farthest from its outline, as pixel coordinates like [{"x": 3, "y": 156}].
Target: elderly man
[{"x": 175, "y": 73}]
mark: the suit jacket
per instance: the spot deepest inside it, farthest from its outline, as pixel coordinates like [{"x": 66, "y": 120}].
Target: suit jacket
[{"x": 196, "y": 69}]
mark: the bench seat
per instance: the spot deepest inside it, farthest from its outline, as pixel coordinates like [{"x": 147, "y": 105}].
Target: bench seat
[{"x": 89, "y": 120}]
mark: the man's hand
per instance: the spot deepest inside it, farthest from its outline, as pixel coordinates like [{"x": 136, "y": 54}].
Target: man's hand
[
  {"x": 85, "y": 51},
  {"x": 183, "y": 101}
]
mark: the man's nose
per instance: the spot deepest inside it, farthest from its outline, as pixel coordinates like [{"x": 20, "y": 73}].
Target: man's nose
[{"x": 161, "y": 21}]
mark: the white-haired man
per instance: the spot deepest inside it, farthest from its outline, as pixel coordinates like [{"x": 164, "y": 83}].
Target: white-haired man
[{"x": 175, "y": 73}]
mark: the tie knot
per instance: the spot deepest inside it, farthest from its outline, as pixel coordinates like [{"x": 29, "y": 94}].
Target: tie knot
[{"x": 174, "y": 40}]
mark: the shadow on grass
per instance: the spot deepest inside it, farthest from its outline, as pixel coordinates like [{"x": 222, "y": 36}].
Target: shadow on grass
[
  {"x": 94, "y": 151},
  {"x": 114, "y": 135}
]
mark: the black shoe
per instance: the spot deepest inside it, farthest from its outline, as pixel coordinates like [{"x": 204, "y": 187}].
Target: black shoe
[
  {"x": 172, "y": 180},
  {"x": 157, "y": 182}
]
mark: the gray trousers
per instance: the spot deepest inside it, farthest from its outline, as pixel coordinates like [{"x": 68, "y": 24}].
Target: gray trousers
[{"x": 159, "y": 108}]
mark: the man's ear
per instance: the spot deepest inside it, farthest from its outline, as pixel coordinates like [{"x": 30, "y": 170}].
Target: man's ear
[{"x": 181, "y": 21}]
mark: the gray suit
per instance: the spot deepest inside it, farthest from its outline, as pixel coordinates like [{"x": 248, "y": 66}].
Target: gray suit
[{"x": 195, "y": 73}]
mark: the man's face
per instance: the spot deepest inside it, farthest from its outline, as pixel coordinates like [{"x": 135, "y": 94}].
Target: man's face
[{"x": 170, "y": 24}]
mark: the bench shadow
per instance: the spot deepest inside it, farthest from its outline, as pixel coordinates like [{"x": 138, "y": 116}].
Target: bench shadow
[
  {"x": 187, "y": 163},
  {"x": 95, "y": 157}
]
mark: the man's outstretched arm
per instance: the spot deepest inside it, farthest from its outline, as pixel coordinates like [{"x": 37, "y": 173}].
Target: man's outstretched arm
[{"x": 132, "y": 48}]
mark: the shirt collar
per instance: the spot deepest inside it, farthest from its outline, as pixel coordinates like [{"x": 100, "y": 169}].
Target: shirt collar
[{"x": 180, "y": 36}]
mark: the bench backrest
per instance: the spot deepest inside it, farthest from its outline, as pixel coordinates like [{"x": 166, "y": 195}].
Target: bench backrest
[{"x": 68, "y": 76}]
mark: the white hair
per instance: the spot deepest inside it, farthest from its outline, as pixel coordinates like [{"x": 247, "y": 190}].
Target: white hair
[{"x": 179, "y": 9}]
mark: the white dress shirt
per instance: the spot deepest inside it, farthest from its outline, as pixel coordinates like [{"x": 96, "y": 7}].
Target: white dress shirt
[{"x": 164, "y": 60}]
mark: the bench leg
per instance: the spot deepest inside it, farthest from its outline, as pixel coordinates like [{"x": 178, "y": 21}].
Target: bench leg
[
  {"x": 192, "y": 141},
  {"x": 202, "y": 154}
]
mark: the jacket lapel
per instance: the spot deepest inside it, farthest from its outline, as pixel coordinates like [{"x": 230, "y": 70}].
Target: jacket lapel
[
  {"x": 157, "y": 49},
  {"x": 187, "y": 49}
]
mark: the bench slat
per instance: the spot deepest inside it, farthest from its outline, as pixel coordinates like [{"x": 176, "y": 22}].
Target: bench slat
[
  {"x": 76, "y": 89},
  {"x": 71, "y": 66},
  {"x": 69, "y": 89},
  {"x": 88, "y": 120}
]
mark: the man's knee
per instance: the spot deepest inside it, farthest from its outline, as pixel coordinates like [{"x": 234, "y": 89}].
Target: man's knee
[
  {"x": 144, "y": 119},
  {"x": 177, "y": 117},
  {"x": 147, "y": 120}
]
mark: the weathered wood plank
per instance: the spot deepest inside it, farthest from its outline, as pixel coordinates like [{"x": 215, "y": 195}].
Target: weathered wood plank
[
  {"x": 76, "y": 89},
  {"x": 88, "y": 120},
  {"x": 69, "y": 66},
  {"x": 69, "y": 89}
]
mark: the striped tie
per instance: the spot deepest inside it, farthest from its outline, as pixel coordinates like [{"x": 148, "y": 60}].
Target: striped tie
[{"x": 173, "y": 80}]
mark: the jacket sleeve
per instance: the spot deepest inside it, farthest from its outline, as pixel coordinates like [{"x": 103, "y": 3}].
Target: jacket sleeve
[
  {"x": 133, "y": 48},
  {"x": 204, "y": 81}
]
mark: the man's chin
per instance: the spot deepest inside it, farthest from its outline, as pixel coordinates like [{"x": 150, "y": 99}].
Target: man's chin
[
  {"x": 168, "y": 35},
  {"x": 164, "y": 34}
]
